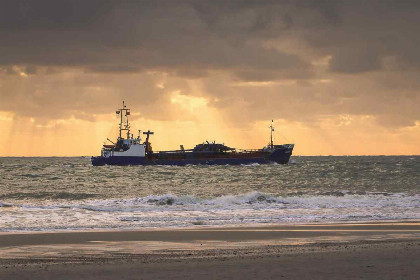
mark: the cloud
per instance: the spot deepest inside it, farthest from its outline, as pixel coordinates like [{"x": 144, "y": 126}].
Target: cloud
[
  {"x": 128, "y": 36},
  {"x": 252, "y": 60},
  {"x": 354, "y": 60}
]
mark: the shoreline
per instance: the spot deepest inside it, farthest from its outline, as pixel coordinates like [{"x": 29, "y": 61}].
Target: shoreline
[
  {"x": 321, "y": 251},
  {"x": 261, "y": 226},
  {"x": 277, "y": 232}
]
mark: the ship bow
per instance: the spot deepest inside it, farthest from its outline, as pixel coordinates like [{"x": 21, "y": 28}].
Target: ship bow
[{"x": 282, "y": 153}]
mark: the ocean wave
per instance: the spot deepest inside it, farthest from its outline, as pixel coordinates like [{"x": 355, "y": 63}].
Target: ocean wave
[
  {"x": 250, "y": 200},
  {"x": 255, "y": 197},
  {"x": 2, "y": 204},
  {"x": 31, "y": 176},
  {"x": 48, "y": 195},
  {"x": 253, "y": 200},
  {"x": 171, "y": 210}
]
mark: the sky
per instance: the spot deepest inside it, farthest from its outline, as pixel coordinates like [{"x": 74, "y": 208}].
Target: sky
[{"x": 337, "y": 77}]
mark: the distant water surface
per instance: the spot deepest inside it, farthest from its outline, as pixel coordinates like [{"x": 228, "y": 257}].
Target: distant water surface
[{"x": 39, "y": 194}]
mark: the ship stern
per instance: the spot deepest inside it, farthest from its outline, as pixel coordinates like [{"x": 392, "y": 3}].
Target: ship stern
[{"x": 98, "y": 161}]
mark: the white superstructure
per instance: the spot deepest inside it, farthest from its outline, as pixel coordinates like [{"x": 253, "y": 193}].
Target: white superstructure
[{"x": 129, "y": 146}]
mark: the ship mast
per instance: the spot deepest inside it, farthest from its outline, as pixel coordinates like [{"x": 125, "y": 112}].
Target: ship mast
[
  {"x": 271, "y": 134},
  {"x": 124, "y": 112}
]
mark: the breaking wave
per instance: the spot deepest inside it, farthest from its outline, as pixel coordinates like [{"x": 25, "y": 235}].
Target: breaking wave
[
  {"x": 331, "y": 200},
  {"x": 171, "y": 210}
]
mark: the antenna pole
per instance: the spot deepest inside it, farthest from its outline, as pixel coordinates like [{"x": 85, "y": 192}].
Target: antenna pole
[
  {"x": 127, "y": 126},
  {"x": 121, "y": 120},
  {"x": 271, "y": 135}
]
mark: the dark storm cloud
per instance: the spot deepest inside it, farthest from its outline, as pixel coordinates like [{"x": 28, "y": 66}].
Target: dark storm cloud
[
  {"x": 368, "y": 32},
  {"x": 353, "y": 60},
  {"x": 20, "y": 15},
  {"x": 108, "y": 40},
  {"x": 132, "y": 36}
]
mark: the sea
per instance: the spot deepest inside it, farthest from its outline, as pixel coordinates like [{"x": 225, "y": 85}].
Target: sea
[{"x": 62, "y": 194}]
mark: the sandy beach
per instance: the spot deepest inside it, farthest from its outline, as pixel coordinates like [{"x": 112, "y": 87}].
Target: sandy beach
[{"x": 327, "y": 251}]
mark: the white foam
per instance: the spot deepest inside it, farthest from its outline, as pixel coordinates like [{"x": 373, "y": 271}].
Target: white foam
[
  {"x": 251, "y": 164},
  {"x": 249, "y": 208},
  {"x": 5, "y": 204}
]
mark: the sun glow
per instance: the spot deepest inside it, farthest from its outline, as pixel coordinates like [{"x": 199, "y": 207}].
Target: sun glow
[
  {"x": 331, "y": 136},
  {"x": 191, "y": 103}
]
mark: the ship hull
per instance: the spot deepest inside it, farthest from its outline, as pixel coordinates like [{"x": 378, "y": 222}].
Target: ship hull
[{"x": 280, "y": 156}]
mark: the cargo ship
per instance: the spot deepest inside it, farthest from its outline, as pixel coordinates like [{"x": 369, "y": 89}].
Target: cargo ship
[{"x": 130, "y": 150}]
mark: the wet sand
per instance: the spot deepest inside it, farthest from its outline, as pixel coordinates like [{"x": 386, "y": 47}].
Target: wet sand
[{"x": 327, "y": 251}]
